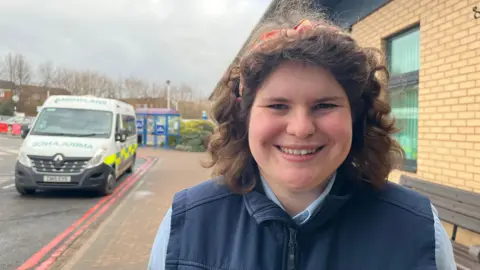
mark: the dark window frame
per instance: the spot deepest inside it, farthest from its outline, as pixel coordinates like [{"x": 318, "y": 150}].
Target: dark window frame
[{"x": 401, "y": 81}]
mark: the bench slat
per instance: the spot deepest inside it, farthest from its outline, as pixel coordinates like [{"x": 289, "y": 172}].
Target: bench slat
[
  {"x": 462, "y": 209},
  {"x": 462, "y": 196},
  {"x": 462, "y": 257},
  {"x": 455, "y": 206},
  {"x": 458, "y": 219}
]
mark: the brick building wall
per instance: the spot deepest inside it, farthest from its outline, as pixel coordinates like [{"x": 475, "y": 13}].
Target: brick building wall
[
  {"x": 5, "y": 94},
  {"x": 449, "y": 84},
  {"x": 6, "y": 90}
]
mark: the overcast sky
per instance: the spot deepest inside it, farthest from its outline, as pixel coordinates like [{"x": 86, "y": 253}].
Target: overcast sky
[{"x": 190, "y": 41}]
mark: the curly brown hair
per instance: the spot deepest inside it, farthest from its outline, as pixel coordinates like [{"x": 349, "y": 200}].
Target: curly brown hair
[{"x": 360, "y": 71}]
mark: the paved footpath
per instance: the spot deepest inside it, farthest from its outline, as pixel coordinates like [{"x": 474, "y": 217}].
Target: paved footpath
[{"x": 124, "y": 240}]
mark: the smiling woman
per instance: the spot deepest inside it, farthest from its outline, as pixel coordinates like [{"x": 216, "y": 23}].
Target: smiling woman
[
  {"x": 300, "y": 122},
  {"x": 301, "y": 155}
]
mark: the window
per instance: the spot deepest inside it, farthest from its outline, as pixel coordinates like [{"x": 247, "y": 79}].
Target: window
[
  {"x": 117, "y": 123},
  {"x": 403, "y": 56},
  {"x": 129, "y": 125},
  {"x": 73, "y": 123}
]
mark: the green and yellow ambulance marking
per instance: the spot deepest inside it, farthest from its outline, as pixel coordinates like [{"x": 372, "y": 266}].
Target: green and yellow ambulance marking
[{"x": 123, "y": 155}]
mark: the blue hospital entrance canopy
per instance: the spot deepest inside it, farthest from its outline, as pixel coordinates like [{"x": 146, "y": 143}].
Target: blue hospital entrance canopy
[{"x": 156, "y": 125}]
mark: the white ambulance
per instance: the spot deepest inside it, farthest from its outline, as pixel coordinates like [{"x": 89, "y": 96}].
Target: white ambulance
[{"x": 77, "y": 142}]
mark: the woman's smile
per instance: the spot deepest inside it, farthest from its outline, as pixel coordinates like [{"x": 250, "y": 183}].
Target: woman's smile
[{"x": 299, "y": 153}]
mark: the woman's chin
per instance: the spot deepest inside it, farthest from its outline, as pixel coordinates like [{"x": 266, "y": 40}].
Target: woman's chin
[
  {"x": 298, "y": 180},
  {"x": 299, "y": 183}
]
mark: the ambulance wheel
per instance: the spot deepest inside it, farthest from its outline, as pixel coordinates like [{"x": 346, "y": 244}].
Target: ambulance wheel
[
  {"x": 24, "y": 191},
  {"x": 109, "y": 186},
  {"x": 130, "y": 169}
]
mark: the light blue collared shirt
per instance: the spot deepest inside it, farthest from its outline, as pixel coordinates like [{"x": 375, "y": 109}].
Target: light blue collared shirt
[
  {"x": 443, "y": 247},
  {"x": 306, "y": 214}
]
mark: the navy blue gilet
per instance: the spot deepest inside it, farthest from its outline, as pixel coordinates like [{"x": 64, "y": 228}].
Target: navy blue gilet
[{"x": 357, "y": 227}]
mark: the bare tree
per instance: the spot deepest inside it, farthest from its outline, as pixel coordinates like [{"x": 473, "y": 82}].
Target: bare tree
[
  {"x": 87, "y": 82},
  {"x": 156, "y": 91},
  {"x": 46, "y": 74},
  {"x": 66, "y": 79},
  {"x": 135, "y": 87},
  {"x": 16, "y": 69},
  {"x": 92, "y": 83},
  {"x": 109, "y": 88},
  {"x": 103, "y": 86},
  {"x": 184, "y": 93},
  {"x": 119, "y": 88}
]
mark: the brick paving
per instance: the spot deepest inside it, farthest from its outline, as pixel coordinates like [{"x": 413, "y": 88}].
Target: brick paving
[{"x": 125, "y": 239}]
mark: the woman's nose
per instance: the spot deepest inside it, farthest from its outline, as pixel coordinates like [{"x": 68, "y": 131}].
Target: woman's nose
[{"x": 301, "y": 125}]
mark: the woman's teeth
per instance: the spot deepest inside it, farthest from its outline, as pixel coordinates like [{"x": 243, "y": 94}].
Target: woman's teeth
[{"x": 298, "y": 152}]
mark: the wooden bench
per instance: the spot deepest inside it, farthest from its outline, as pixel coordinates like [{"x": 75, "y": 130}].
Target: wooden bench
[{"x": 457, "y": 207}]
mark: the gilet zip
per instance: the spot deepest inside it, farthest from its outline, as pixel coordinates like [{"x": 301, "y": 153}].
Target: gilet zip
[{"x": 292, "y": 249}]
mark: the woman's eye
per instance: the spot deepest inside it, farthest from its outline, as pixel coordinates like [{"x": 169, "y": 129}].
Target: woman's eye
[
  {"x": 278, "y": 106},
  {"x": 325, "y": 106}
]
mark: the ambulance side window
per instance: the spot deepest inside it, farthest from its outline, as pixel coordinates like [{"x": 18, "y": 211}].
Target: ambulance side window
[
  {"x": 129, "y": 125},
  {"x": 117, "y": 123}
]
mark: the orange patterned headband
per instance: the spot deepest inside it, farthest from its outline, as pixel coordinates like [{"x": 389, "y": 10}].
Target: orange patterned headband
[{"x": 297, "y": 29}]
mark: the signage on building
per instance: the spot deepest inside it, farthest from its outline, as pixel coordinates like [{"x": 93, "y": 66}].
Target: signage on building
[
  {"x": 139, "y": 124},
  {"x": 160, "y": 130}
]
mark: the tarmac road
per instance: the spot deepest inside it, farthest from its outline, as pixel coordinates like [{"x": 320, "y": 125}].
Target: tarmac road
[
  {"x": 28, "y": 223},
  {"x": 8, "y": 155}
]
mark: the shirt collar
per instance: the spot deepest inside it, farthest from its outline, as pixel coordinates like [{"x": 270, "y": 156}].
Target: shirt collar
[{"x": 306, "y": 214}]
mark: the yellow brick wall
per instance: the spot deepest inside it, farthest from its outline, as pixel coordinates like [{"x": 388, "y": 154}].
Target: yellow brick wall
[{"x": 449, "y": 87}]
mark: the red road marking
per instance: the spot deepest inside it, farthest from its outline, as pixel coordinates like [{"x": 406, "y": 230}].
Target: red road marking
[
  {"x": 59, "y": 251},
  {"x": 37, "y": 257}
]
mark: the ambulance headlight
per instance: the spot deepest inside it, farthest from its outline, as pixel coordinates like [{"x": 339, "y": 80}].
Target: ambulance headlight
[
  {"x": 97, "y": 159},
  {"x": 24, "y": 159}
]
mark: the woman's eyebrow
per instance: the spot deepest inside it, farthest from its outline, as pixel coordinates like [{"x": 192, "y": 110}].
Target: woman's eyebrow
[
  {"x": 275, "y": 99},
  {"x": 319, "y": 100},
  {"x": 331, "y": 98}
]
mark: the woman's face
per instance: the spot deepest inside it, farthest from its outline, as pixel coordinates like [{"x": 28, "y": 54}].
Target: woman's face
[{"x": 300, "y": 128}]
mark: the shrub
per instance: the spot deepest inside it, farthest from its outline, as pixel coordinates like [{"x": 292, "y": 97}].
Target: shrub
[
  {"x": 195, "y": 125},
  {"x": 7, "y": 108},
  {"x": 194, "y": 136},
  {"x": 172, "y": 141}
]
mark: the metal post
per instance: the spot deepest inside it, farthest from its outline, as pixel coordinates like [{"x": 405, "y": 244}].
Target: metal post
[
  {"x": 168, "y": 94},
  {"x": 165, "y": 130},
  {"x": 155, "y": 139},
  {"x": 15, "y": 99},
  {"x": 145, "y": 129},
  {"x": 178, "y": 129}
]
